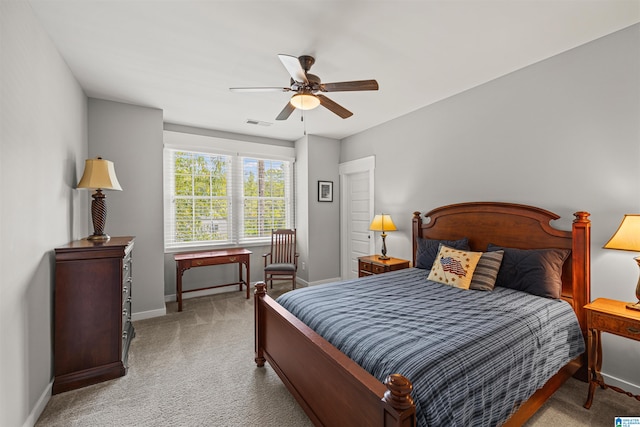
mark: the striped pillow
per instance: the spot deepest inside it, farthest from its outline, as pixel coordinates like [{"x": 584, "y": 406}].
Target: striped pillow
[{"x": 486, "y": 272}]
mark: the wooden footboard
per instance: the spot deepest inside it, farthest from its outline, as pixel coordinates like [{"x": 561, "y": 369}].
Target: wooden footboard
[{"x": 331, "y": 388}]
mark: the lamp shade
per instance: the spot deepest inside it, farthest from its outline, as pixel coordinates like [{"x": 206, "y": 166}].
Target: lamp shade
[
  {"x": 382, "y": 222},
  {"x": 304, "y": 101},
  {"x": 99, "y": 174},
  {"x": 627, "y": 237}
]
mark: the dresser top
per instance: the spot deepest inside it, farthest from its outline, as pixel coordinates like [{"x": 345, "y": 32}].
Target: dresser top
[{"x": 114, "y": 247}]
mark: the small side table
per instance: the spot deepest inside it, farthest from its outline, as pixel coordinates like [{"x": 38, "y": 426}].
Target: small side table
[
  {"x": 371, "y": 264},
  {"x": 607, "y": 315}
]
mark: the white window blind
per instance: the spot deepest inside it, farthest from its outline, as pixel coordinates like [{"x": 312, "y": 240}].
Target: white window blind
[
  {"x": 224, "y": 199},
  {"x": 266, "y": 197}
]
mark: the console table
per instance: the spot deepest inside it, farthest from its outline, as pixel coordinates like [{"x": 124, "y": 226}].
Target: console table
[{"x": 185, "y": 261}]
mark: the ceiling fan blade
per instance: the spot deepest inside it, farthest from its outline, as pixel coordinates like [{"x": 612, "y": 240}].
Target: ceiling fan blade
[
  {"x": 292, "y": 64},
  {"x": 334, "y": 107},
  {"x": 259, "y": 89},
  {"x": 349, "y": 86},
  {"x": 286, "y": 112}
]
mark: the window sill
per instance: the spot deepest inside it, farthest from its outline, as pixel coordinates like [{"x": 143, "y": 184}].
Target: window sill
[{"x": 175, "y": 250}]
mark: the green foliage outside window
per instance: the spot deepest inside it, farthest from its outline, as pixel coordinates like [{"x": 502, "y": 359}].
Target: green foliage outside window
[
  {"x": 203, "y": 197},
  {"x": 264, "y": 191},
  {"x": 202, "y": 206}
]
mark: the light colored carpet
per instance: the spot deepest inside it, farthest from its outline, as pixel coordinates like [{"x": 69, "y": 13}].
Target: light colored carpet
[{"x": 196, "y": 368}]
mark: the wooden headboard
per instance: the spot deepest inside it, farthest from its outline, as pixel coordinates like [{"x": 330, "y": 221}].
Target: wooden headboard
[{"x": 516, "y": 226}]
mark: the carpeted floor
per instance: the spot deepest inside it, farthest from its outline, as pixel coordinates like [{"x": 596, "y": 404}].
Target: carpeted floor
[{"x": 196, "y": 368}]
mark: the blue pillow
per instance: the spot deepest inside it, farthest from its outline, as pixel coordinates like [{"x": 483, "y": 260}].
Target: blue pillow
[
  {"x": 428, "y": 250},
  {"x": 536, "y": 271}
]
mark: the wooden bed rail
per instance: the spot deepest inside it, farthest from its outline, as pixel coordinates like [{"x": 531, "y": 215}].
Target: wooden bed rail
[{"x": 346, "y": 394}]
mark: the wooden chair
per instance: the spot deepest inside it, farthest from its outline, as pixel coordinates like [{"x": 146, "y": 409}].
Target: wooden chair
[{"x": 282, "y": 261}]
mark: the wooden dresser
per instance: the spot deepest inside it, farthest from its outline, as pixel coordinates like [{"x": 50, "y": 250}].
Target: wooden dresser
[{"x": 92, "y": 312}]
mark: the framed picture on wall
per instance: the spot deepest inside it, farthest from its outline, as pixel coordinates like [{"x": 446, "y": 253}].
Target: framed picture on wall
[{"x": 325, "y": 191}]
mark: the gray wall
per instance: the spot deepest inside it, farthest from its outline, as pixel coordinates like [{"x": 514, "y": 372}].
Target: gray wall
[
  {"x": 318, "y": 223},
  {"x": 562, "y": 134},
  {"x": 43, "y": 145},
  {"x": 324, "y": 217},
  {"x": 131, "y": 137}
]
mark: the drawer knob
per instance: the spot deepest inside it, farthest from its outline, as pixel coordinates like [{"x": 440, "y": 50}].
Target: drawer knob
[
  {"x": 198, "y": 262},
  {"x": 633, "y": 330},
  {"x": 232, "y": 259}
]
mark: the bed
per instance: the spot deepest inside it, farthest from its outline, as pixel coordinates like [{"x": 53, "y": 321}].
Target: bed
[{"x": 335, "y": 390}]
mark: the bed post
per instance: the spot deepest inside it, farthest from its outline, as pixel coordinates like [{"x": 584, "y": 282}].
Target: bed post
[
  {"x": 581, "y": 265},
  {"x": 416, "y": 224},
  {"x": 581, "y": 253},
  {"x": 398, "y": 395},
  {"x": 260, "y": 292}
]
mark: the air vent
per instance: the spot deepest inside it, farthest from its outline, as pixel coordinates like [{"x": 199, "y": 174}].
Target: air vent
[{"x": 258, "y": 122}]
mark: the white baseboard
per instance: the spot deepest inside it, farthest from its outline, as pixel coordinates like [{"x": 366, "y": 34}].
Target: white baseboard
[
  {"x": 302, "y": 282},
  {"x": 626, "y": 386},
  {"x": 38, "y": 408},
  {"x": 141, "y": 315}
]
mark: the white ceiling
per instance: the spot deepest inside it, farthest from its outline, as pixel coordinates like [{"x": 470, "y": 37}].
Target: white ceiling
[{"x": 182, "y": 56}]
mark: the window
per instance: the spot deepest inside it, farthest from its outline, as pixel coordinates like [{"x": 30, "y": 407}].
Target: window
[
  {"x": 224, "y": 199},
  {"x": 264, "y": 196}
]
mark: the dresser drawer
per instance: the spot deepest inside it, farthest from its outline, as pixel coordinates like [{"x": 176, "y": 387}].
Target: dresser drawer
[
  {"x": 365, "y": 266},
  {"x": 377, "y": 269},
  {"x": 126, "y": 268},
  {"x": 615, "y": 325},
  {"x": 126, "y": 291},
  {"x": 126, "y": 315},
  {"x": 230, "y": 259}
]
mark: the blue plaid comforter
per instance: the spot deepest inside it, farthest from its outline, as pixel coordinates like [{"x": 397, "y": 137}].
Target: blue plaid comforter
[{"x": 473, "y": 357}]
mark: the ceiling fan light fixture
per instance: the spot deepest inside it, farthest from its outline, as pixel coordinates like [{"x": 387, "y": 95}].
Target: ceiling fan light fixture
[{"x": 305, "y": 101}]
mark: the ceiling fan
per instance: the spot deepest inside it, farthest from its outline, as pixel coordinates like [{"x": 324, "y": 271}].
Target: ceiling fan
[{"x": 309, "y": 88}]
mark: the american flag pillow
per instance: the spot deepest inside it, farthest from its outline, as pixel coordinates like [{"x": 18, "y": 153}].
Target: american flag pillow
[{"x": 454, "y": 267}]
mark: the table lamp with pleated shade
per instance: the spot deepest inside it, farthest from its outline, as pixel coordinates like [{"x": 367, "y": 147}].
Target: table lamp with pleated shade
[{"x": 99, "y": 174}]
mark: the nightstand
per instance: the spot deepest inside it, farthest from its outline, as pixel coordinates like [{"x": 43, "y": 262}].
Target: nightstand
[
  {"x": 607, "y": 315},
  {"x": 368, "y": 265}
]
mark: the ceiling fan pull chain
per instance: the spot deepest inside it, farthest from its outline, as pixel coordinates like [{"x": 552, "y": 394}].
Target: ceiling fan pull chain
[{"x": 304, "y": 123}]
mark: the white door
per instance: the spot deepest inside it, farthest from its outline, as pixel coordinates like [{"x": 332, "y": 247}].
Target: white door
[{"x": 356, "y": 206}]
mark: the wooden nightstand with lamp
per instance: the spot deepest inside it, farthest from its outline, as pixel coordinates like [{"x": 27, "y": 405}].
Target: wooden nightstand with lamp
[
  {"x": 376, "y": 264},
  {"x": 611, "y": 316}
]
